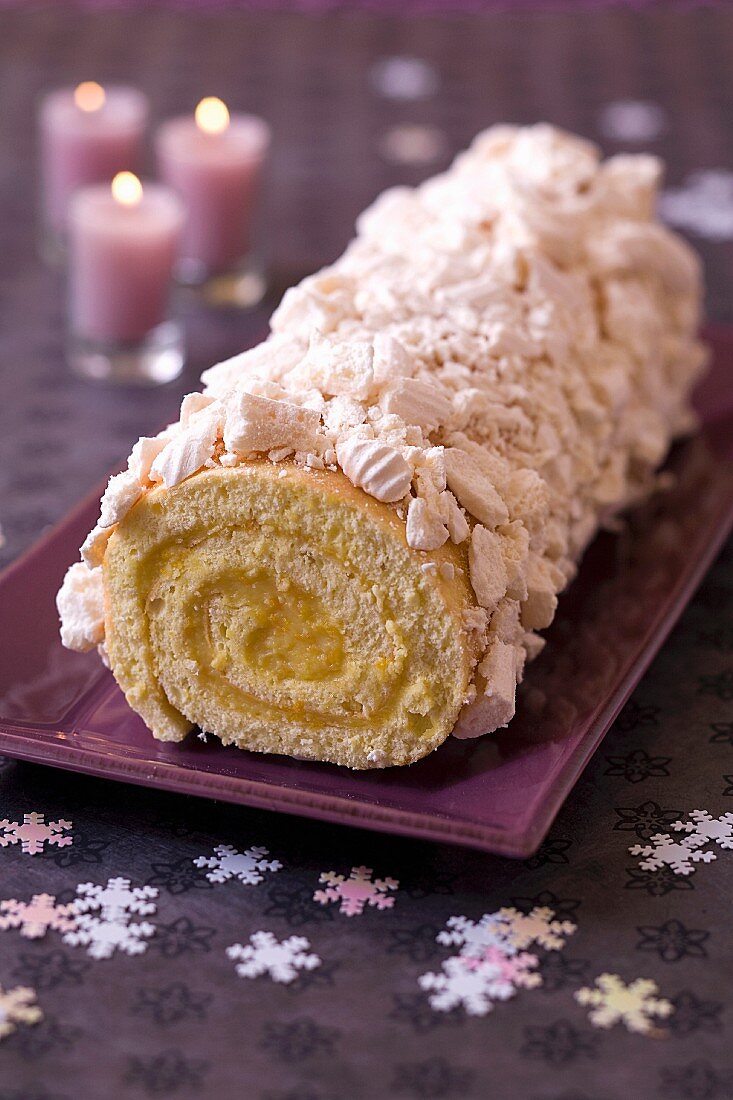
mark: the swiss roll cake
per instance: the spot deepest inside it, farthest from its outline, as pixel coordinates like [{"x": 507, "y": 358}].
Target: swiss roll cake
[{"x": 347, "y": 546}]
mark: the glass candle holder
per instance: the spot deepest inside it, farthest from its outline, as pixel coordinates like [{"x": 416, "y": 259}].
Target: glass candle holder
[
  {"x": 214, "y": 162},
  {"x": 123, "y": 243},
  {"x": 87, "y": 135}
]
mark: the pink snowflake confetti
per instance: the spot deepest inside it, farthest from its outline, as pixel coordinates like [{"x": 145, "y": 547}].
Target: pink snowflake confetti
[
  {"x": 17, "y": 1006},
  {"x": 356, "y": 891},
  {"x": 518, "y": 970},
  {"x": 34, "y": 833},
  {"x": 34, "y": 918}
]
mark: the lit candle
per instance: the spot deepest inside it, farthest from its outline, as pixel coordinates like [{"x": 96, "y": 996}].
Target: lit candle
[
  {"x": 123, "y": 240},
  {"x": 88, "y": 134},
  {"x": 214, "y": 161}
]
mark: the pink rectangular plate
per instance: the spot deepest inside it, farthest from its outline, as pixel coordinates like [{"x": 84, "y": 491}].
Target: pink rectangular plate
[{"x": 500, "y": 793}]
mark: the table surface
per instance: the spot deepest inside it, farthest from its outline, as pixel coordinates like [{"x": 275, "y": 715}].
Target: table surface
[{"x": 350, "y": 118}]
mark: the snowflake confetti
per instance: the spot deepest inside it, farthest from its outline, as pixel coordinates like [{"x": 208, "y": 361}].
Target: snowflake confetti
[
  {"x": 536, "y": 927},
  {"x": 117, "y": 900},
  {"x": 473, "y": 937},
  {"x": 703, "y": 827},
  {"x": 103, "y": 921},
  {"x": 519, "y": 970},
  {"x": 678, "y": 855},
  {"x": 34, "y": 832},
  {"x": 248, "y": 866},
  {"x": 104, "y": 937},
  {"x": 491, "y": 964},
  {"x": 356, "y": 891},
  {"x": 281, "y": 959},
  {"x": 466, "y": 983},
  {"x": 17, "y": 1006},
  {"x": 635, "y": 1005},
  {"x": 34, "y": 918}
]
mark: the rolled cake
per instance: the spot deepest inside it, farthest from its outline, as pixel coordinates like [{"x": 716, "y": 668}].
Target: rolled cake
[{"x": 344, "y": 548}]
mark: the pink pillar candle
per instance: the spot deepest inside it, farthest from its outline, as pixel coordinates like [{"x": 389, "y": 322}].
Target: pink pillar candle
[
  {"x": 214, "y": 162},
  {"x": 87, "y": 135},
  {"x": 122, "y": 248}
]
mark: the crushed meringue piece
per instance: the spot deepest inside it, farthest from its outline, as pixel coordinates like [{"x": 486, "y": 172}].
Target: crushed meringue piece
[
  {"x": 95, "y": 545},
  {"x": 261, "y": 424},
  {"x": 144, "y": 454},
  {"x": 122, "y": 491},
  {"x": 275, "y": 356},
  {"x": 339, "y": 367},
  {"x": 277, "y": 454},
  {"x": 475, "y": 620},
  {"x": 538, "y": 608},
  {"x": 486, "y": 567},
  {"x": 473, "y": 489},
  {"x": 391, "y": 361},
  {"x": 190, "y": 449},
  {"x": 496, "y": 684},
  {"x": 375, "y": 467},
  {"x": 453, "y": 518},
  {"x": 191, "y": 404},
  {"x": 417, "y": 402},
  {"x": 80, "y": 604},
  {"x": 425, "y": 528}
]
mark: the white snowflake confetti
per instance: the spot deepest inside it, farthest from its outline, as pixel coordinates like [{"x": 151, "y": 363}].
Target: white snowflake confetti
[
  {"x": 678, "y": 855},
  {"x": 634, "y": 1005},
  {"x": 474, "y": 937},
  {"x": 247, "y": 866},
  {"x": 103, "y": 922},
  {"x": 536, "y": 927},
  {"x": 706, "y": 828},
  {"x": 632, "y": 120},
  {"x": 356, "y": 891},
  {"x": 34, "y": 832},
  {"x": 281, "y": 959},
  {"x": 703, "y": 205},
  {"x": 34, "y": 918},
  {"x": 17, "y": 1006},
  {"x": 103, "y": 937},
  {"x": 475, "y": 988},
  {"x": 116, "y": 901}
]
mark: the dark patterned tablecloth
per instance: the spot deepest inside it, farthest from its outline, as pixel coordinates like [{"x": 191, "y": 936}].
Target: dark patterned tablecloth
[{"x": 397, "y": 988}]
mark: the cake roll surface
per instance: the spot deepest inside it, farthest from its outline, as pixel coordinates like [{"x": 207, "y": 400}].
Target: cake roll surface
[{"x": 345, "y": 548}]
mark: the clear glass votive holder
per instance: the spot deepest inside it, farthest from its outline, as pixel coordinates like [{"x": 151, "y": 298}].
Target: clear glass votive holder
[
  {"x": 85, "y": 136},
  {"x": 215, "y": 163},
  {"x": 123, "y": 244},
  {"x": 154, "y": 359}
]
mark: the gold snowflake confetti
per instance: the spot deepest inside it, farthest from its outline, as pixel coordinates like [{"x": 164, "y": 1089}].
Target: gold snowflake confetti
[
  {"x": 635, "y": 1005},
  {"x": 17, "y": 1006}
]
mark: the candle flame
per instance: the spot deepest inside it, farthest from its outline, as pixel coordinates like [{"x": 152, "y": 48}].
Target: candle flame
[
  {"x": 89, "y": 96},
  {"x": 212, "y": 115},
  {"x": 127, "y": 189}
]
